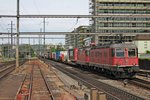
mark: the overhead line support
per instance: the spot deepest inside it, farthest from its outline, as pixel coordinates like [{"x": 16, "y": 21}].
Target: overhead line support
[{"x": 17, "y": 35}]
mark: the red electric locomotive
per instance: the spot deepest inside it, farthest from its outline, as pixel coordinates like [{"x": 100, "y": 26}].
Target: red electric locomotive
[
  {"x": 119, "y": 60},
  {"x": 83, "y": 57}
]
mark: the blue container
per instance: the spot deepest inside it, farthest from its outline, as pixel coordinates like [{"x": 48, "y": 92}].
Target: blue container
[{"x": 57, "y": 55}]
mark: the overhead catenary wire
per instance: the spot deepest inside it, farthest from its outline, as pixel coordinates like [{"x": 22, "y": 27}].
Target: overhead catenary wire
[
  {"x": 2, "y": 25},
  {"x": 76, "y": 22},
  {"x": 35, "y": 4}
]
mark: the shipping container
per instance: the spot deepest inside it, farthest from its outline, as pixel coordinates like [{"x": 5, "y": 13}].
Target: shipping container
[
  {"x": 54, "y": 55},
  {"x": 63, "y": 56},
  {"x": 57, "y": 55}
]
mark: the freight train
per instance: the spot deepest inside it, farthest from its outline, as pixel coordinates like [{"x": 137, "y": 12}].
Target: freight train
[{"x": 119, "y": 60}]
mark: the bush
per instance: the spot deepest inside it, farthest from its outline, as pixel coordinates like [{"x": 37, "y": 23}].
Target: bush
[{"x": 147, "y": 52}]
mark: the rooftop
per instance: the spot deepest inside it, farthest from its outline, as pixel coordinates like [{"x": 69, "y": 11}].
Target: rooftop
[{"x": 142, "y": 37}]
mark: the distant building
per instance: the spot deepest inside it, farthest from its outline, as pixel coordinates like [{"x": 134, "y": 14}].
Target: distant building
[
  {"x": 143, "y": 43},
  {"x": 119, "y": 17},
  {"x": 77, "y": 40},
  {"x": 70, "y": 41},
  {"x": 6, "y": 50}
]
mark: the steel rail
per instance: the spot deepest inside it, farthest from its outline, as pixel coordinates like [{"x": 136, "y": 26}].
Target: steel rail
[
  {"x": 6, "y": 71},
  {"x": 48, "y": 88},
  {"x": 9, "y": 66},
  {"x": 31, "y": 83},
  {"x": 145, "y": 73},
  {"x": 6, "y": 64},
  {"x": 27, "y": 96},
  {"x": 20, "y": 86},
  {"x": 141, "y": 83},
  {"x": 20, "y": 94}
]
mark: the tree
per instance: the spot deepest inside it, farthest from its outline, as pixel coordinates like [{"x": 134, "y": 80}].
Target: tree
[
  {"x": 53, "y": 49},
  {"x": 147, "y": 52},
  {"x": 60, "y": 47}
]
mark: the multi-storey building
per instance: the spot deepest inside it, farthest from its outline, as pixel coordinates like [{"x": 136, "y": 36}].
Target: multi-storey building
[
  {"x": 77, "y": 40},
  {"x": 127, "y": 17},
  {"x": 70, "y": 41}
]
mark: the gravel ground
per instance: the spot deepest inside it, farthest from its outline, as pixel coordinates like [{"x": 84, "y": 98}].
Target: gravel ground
[
  {"x": 9, "y": 86},
  {"x": 55, "y": 84},
  {"x": 130, "y": 88},
  {"x": 39, "y": 89},
  {"x": 71, "y": 85}
]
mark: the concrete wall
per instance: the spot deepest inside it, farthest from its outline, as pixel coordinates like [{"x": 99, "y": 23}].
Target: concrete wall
[{"x": 143, "y": 46}]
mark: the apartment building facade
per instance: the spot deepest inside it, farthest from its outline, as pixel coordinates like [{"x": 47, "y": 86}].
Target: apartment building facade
[
  {"x": 127, "y": 17},
  {"x": 77, "y": 40}
]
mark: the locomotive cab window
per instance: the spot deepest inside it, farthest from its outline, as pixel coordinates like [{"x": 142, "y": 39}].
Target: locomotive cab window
[
  {"x": 112, "y": 52},
  {"x": 119, "y": 52},
  {"x": 131, "y": 52}
]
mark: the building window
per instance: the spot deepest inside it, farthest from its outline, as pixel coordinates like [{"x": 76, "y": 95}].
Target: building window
[{"x": 145, "y": 47}]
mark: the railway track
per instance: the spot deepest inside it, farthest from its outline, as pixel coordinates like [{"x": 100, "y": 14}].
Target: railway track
[
  {"x": 47, "y": 85},
  {"x": 8, "y": 68},
  {"x": 4, "y": 72},
  {"x": 112, "y": 92},
  {"x": 144, "y": 73},
  {"x": 25, "y": 89},
  {"x": 5, "y": 64},
  {"x": 34, "y": 86},
  {"x": 141, "y": 83}
]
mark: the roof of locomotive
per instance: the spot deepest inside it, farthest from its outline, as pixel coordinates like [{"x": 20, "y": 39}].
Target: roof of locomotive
[{"x": 117, "y": 45}]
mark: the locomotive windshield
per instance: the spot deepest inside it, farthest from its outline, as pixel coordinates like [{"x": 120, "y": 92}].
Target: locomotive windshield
[
  {"x": 131, "y": 52},
  {"x": 119, "y": 52}
]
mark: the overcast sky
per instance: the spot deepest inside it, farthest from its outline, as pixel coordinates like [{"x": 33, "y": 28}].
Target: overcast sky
[{"x": 49, "y": 7}]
